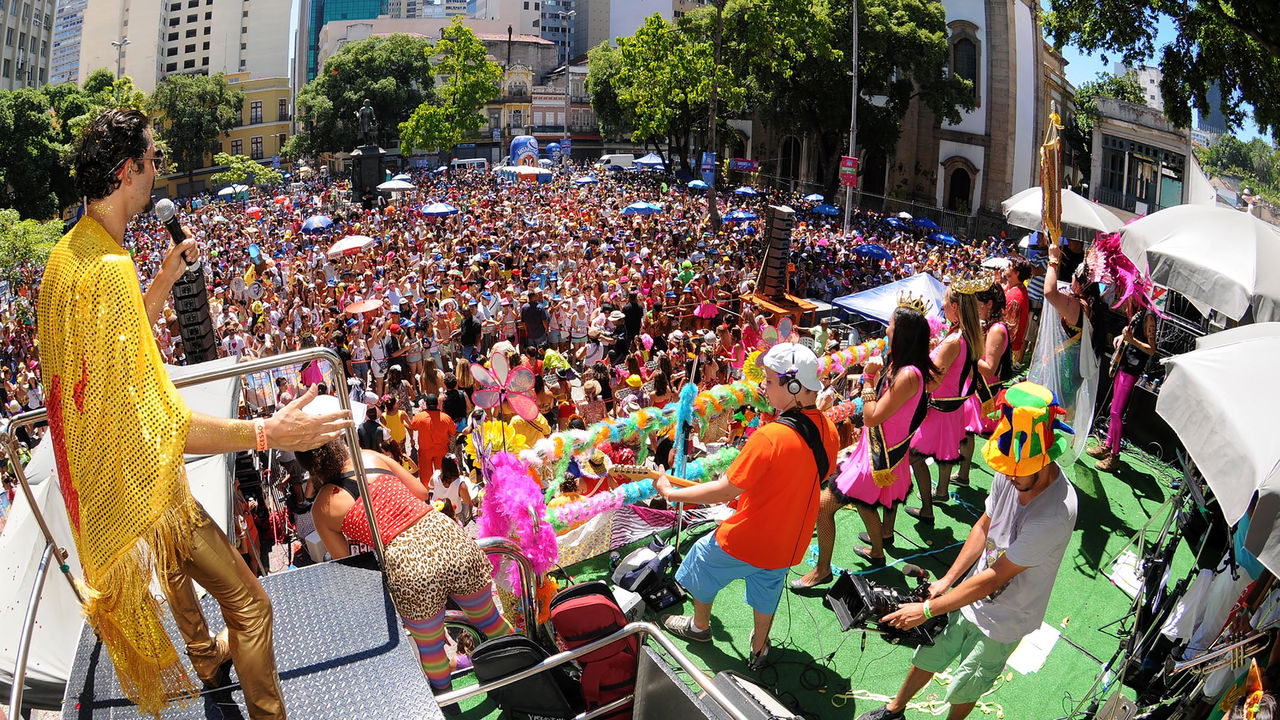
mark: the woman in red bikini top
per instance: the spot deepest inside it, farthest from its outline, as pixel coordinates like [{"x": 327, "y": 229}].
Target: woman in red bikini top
[{"x": 428, "y": 558}]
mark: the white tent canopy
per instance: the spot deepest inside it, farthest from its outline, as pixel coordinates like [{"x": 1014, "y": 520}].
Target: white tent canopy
[
  {"x": 879, "y": 303},
  {"x": 1219, "y": 399},
  {"x": 1023, "y": 210},
  {"x": 1221, "y": 258},
  {"x": 59, "y": 620}
]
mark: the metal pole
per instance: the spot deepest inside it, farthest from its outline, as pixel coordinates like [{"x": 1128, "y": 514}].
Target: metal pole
[
  {"x": 853, "y": 111},
  {"x": 24, "y": 640},
  {"x": 528, "y": 588},
  {"x": 712, "y": 199}
]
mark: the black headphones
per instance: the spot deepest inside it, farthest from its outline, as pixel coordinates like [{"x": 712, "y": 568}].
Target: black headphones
[{"x": 793, "y": 383}]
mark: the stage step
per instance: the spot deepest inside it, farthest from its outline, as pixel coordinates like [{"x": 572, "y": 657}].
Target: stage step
[{"x": 340, "y": 649}]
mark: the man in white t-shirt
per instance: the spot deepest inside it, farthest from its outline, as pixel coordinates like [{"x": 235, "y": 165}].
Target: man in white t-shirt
[{"x": 1009, "y": 562}]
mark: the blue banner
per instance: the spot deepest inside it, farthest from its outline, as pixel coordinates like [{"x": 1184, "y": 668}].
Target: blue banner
[{"x": 709, "y": 168}]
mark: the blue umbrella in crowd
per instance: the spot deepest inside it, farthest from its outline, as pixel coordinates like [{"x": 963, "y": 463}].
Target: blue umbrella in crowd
[
  {"x": 439, "y": 209},
  {"x": 402, "y": 176},
  {"x": 316, "y": 223},
  {"x": 895, "y": 223},
  {"x": 944, "y": 238},
  {"x": 748, "y": 191},
  {"x": 872, "y": 250},
  {"x": 740, "y": 216},
  {"x": 585, "y": 180},
  {"x": 926, "y": 224},
  {"x": 815, "y": 197},
  {"x": 641, "y": 208},
  {"x": 825, "y": 209},
  {"x": 698, "y": 185}
]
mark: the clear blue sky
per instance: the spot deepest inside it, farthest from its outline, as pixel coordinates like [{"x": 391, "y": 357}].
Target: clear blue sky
[{"x": 1082, "y": 68}]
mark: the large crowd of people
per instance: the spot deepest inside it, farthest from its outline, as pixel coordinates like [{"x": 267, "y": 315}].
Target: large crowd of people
[{"x": 611, "y": 311}]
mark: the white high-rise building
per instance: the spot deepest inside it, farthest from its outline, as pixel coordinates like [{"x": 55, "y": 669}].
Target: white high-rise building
[
  {"x": 67, "y": 25},
  {"x": 27, "y": 26},
  {"x": 185, "y": 36},
  {"x": 599, "y": 21}
]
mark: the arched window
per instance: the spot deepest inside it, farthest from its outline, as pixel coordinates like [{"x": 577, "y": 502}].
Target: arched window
[{"x": 966, "y": 54}]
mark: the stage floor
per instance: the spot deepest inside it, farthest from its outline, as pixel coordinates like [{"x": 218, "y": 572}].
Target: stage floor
[{"x": 340, "y": 649}]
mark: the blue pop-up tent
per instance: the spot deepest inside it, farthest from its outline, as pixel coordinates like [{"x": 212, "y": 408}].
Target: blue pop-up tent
[{"x": 879, "y": 303}]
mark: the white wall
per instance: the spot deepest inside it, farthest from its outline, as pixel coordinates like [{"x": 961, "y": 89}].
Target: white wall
[
  {"x": 104, "y": 22},
  {"x": 974, "y": 121},
  {"x": 1024, "y": 142},
  {"x": 268, "y": 39},
  {"x": 975, "y": 154},
  {"x": 626, "y": 16}
]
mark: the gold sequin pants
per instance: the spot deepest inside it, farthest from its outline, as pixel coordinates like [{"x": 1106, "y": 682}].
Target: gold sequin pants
[{"x": 216, "y": 565}]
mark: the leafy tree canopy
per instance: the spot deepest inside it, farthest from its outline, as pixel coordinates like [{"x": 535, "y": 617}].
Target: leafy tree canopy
[
  {"x": 392, "y": 72},
  {"x": 1256, "y": 162},
  {"x": 1235, "y": 45},
  {"x": 604, "y": 64},
  {"x": 466, "y": 79},
  {"x": 24, "y": 244},
  {"x": 243, "y": 170},
  {"x": 193, "y": 113},
  {"x": 33, "y": 178}
]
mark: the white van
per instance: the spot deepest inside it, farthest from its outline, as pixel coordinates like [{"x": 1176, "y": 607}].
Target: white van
[
  {"x": 625, "y": 160},
  {"x": 470, "y": 164}
]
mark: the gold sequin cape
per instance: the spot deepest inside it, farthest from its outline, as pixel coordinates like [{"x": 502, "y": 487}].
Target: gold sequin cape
[{"x": 119, "y": 428}]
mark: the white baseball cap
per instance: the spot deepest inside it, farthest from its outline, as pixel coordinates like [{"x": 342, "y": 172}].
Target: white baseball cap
[{"x": 785, "y": 358}]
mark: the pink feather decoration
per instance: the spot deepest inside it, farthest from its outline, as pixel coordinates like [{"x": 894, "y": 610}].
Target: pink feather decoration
[{"x": 513, "y": 508}]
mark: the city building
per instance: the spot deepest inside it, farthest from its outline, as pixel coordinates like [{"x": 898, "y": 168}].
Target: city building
[
  {"x": 1140, "y": 160},
  {"x": 1213, "y": 122},
  {"x": 557, "y": 23},
  {"x": 313, "y": 16},
  {"x": 184, "y": 36},
  {"x": 264, "y": 127},
  {"x": 493, "y": 32},
  {"x": 1149, "y": 78},
  {"x": 67, "y": 26},
  {"x": 599, "y": 21},
  {"x": 28, "y": 34}
]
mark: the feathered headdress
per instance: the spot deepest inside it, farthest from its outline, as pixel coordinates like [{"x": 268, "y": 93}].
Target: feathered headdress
[{"x": 1108, "y": 264}]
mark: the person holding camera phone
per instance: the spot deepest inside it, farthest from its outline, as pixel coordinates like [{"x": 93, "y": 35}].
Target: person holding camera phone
[{"x": 1011, "y": 558}]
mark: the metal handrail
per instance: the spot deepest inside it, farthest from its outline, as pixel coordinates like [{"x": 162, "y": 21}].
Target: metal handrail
[
  {"x": 528, "y": 589},
  {"x": 237, "y": 370},
  {"x": 24, "y": 640},
  {"x": 636, "y": 628}
]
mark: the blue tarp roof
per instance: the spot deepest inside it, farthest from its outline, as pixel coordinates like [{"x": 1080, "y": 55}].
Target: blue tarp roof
[{"x": 880, "y": 302}]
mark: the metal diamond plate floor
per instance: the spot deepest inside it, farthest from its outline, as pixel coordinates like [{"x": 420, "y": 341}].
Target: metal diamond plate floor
[{"x": 340, "y": 650}]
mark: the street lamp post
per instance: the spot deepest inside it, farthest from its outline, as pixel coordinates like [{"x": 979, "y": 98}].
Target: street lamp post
[
  {"x": 565, "y": 17},
  {"x": 713, "y": 207},
  {"x": 853, "y": 115},
  {"x": 119, "y": 46}
]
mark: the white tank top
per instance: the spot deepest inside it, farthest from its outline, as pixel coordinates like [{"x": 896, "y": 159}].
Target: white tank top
[{"x": 451, "y": 493}]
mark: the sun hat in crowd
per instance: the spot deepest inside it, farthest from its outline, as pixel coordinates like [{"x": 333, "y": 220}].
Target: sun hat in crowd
[
  {"x": 794, "y": 358},
  {"x": 634, "y": 381}
]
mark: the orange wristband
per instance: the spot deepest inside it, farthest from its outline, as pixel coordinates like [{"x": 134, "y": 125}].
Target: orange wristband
[{"x": 260, "y": 434}]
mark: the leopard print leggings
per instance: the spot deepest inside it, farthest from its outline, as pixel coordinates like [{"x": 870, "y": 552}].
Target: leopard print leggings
[{"x": 430, "y": 561}]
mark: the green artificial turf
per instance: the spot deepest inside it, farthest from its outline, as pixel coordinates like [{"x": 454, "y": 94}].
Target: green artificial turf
[{"x": 815, "y": 666}]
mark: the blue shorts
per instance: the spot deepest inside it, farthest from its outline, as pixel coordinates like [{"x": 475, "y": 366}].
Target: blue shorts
[
  {"x": 707, "y": 569},
  {"x": 553, "y": 337}
]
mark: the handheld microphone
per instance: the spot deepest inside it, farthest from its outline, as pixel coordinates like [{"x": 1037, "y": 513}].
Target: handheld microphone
[
  {"x": 190, "y": 295},
  {"x": 915, "y": 571}
]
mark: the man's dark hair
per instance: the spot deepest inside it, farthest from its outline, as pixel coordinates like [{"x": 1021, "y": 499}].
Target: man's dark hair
[
  {"x": 1022, "y": 267},
  {"x": 451, "y": 381},
  {"x": 111, "y": 139},
  {"x": 432, "y": 400}
]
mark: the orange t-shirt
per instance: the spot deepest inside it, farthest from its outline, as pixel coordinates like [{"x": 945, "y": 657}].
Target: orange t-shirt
[
  {"x": 779, "y": 503},
  {"x": 435, "y": 429}
]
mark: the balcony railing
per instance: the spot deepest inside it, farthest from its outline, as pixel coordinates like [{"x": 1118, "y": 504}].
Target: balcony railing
[{"x": 1129, "y": 203}]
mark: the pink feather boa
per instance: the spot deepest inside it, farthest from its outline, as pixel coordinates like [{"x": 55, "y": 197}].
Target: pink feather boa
[{"x": 513, "y": 508}]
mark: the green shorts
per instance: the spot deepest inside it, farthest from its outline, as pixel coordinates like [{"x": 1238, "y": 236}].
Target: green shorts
[{"x": 982, "y": 659}]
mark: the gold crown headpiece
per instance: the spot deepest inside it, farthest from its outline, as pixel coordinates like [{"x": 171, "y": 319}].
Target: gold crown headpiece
[
  {"x": 915, "y": 302},
  {"x": 971, "y": 283}
]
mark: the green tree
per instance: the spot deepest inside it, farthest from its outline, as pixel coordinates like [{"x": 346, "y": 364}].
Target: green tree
[
  {"x": 1078, "y": 131},
  {"x": 33, "y": 178},
  {"x": 792, "y": 57},
  {"x": 1234, "y": 45},
  {"x": 392, "y": 72},
  {"x": 604, "y": 64},
  {"x": 663, "y": 84},
  {"x": 466, "y": 79},
  {"x": 193, "y": 114},
  {"x": 24, "y": 243},
  {"x": 244, "y": 170},
  {"x": 1256, "y": 163}
]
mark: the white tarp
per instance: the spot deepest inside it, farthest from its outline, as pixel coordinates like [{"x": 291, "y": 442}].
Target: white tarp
[
  {"x": 878, "y": 303},
  {"x": 58, "y": 620}
]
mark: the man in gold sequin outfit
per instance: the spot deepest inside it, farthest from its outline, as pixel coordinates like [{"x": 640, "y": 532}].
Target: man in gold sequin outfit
[{"x": 120, "y": 431}]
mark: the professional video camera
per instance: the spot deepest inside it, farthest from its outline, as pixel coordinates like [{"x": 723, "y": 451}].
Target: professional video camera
[{"x": 860, "y": 603}]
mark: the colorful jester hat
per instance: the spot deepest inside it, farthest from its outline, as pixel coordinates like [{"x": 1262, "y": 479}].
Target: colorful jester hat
[{"x": 1025, "y": 440}]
